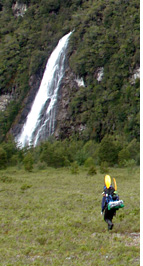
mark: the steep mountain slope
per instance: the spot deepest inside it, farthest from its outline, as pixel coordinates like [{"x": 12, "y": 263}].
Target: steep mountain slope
[{"x": 103, "y": 50}]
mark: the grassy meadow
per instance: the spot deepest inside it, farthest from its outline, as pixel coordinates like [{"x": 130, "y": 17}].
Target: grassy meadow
[{"x": 53, "y": 217}]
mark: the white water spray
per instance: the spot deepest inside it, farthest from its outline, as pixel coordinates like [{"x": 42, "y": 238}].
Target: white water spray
[{"x": 40, "y": 121}]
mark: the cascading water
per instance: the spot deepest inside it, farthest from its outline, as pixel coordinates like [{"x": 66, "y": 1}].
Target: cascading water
[{"x": 40, "y": 121}]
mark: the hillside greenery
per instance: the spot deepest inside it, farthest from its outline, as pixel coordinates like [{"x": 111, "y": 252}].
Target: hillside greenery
[{"x": 106, "y": 35}]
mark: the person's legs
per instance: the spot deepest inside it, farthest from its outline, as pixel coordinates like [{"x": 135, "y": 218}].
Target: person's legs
[{"x": 108, "y": 216}]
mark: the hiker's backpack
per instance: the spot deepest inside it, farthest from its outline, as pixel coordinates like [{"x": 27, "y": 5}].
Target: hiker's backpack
[
  {"x": 112, "y": 199},
  {"x": 109, "y": 195}
]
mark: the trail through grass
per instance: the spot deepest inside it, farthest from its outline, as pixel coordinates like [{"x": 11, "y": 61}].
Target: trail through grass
[{"x": 52, "y": 217}]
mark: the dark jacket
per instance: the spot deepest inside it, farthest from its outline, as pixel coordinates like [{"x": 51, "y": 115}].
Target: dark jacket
[{"x": 106, "y": 191}]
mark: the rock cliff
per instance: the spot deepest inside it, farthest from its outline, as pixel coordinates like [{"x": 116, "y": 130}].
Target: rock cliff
[{"x": 64, "y": 124}]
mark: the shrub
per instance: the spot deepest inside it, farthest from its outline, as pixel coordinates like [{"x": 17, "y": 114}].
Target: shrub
[
  {"x": 10, "y": 149},
  {"x": 108, "y": 151},
  {"x": 90, "y": 148},
  {"x": 46, "y": 153},
  {"x": 14, "y": 160},
  {"x": 89, "y": 162},
  {"x": 123, "y": 156},
  {"x": 71, "y": 147},
  {"x": 54, "y": 154},
  {"x": 28, "y": 162},
  {"x": 92, "y": 170},
  {"x": 66, "y": 162},
  {"x": 59, "y": 160},
  {"x": 81, "y": 156},
  {"x": 74, "y": 168},
  {"x": 130, "y": 164},
  {"x": 104, "y": 168},
  {"x": 134, "y": 149},
  {"x": 3, "y": 158},
  {"x": 41, "y": 165}
]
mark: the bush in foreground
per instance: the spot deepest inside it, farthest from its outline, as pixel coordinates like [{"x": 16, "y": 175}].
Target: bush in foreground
[
  {"x": 28, "y": 162},
  {"x": 3, "y": 158}
]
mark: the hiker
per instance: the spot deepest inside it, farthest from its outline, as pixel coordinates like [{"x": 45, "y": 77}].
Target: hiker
[{"x": 109, "y": 195}]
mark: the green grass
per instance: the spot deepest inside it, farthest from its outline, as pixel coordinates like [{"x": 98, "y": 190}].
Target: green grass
[{"x": 52, "y": 217}]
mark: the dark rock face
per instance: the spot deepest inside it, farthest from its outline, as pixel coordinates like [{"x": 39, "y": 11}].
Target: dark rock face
[
  {"x": 4, "y": 101},
  {"x": 64, "y": 126},
  {"x": 19, "y": 9},
  {"x": 34, "y": 83}
]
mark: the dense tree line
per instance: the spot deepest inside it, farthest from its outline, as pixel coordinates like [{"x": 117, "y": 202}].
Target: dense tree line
[{"x": 71, "y": 152}]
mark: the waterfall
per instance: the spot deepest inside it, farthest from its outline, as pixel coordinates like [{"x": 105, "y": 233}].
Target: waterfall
[{"x": 40, "y": 122}]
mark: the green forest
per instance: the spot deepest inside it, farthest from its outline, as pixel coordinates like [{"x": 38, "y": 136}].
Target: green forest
[{"x": 106, "y": 36}]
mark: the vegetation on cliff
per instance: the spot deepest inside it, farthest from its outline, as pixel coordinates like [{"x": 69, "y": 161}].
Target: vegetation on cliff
[{"x": 106, "y": 36}]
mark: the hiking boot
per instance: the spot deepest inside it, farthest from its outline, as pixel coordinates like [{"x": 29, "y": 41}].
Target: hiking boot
[{"x": 110, "y": 226}]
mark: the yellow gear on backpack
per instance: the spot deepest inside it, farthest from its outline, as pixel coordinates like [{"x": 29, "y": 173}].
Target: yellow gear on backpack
[
  {"x": 115, "y": 184},
  {"x": 107, "y": 181}
]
